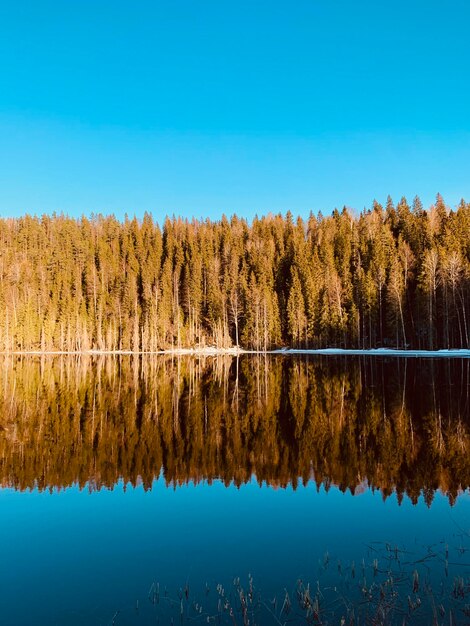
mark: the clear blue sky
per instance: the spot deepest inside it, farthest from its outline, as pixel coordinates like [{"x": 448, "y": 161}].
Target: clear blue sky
[{"x": 207, "y": 107}]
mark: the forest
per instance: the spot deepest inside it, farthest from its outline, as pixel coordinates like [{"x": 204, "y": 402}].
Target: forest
[
  {"x": 397, "y": 425},
  {"x": 391, "y": 276}
]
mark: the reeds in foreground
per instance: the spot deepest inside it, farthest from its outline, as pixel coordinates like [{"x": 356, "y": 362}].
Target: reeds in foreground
[{"x": 392, "y": 587}]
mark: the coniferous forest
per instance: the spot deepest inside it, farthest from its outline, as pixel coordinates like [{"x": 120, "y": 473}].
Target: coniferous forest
[{"x": 392, "y": 276}]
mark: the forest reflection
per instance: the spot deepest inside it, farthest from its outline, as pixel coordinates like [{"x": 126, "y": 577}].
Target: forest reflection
[{"x": 398, "y": 425}]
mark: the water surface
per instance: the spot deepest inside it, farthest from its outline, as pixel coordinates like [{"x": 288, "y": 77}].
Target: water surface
[{"x": 123, "y": 473}]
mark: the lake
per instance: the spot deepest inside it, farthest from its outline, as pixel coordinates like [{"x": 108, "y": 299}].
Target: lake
[{"x": 252, "y": 490}]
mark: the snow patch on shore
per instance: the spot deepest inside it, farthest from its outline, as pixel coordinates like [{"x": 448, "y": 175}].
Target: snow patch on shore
[
  {"x": 380, "y": 352},
  {"x": 213, "y": 351}
]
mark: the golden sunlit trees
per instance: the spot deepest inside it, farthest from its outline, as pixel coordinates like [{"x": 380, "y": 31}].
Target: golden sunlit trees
[{"x": 397, "y": 276}]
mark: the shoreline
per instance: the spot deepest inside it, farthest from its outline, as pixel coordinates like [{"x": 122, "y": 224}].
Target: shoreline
[{"x": 211, "y": 351}]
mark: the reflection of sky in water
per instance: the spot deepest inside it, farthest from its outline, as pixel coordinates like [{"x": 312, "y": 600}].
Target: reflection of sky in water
[{"x": 76, "y": 557}]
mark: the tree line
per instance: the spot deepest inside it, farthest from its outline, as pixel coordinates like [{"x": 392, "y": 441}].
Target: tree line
[
  {"x": 394, "y": 275},
  {"x": 400, "y": 426}
]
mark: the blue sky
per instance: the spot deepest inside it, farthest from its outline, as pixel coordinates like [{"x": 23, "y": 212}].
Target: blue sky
[{"x": 210, "y": 107}]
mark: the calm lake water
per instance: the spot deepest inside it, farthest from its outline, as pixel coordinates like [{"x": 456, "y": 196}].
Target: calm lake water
[{"x": 138, "y": 490}]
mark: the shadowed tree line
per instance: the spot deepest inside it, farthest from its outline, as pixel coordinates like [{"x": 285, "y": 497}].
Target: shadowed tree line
[
  {"x": 397, "y": 275},
  {"x": 397, "y": 425}
]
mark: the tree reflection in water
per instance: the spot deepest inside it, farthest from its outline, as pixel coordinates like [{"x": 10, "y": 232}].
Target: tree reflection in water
[{"x": 398, "y": 425}]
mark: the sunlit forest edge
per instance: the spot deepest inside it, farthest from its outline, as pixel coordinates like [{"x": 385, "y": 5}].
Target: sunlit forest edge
[{"x": 392, "y": 276}]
